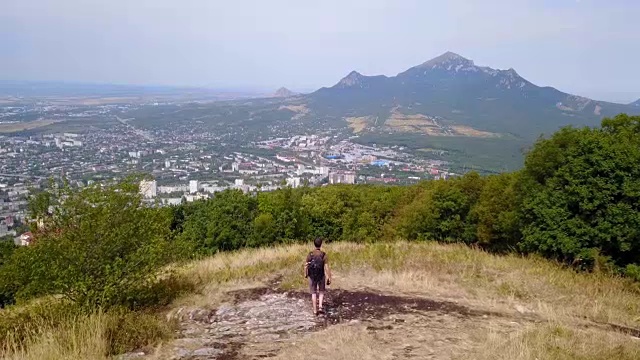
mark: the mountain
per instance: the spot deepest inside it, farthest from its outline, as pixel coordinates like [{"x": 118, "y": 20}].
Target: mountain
[
  {"x": 452, "y": 96},
  {"x": 636, "y": 103},
  {"x": 357, "y": 80},
  {"x": 283, "y": 92}
]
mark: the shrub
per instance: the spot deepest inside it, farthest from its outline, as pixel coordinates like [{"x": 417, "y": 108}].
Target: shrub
[
  {"x": 497, "y": 213},
  {"x": 127, "y": 331},
  {"x": 581, "y": 200},
  {"x": 442, "y": 211},
  {"x": 98, "y": 249},
  {"x": 220, "y": 224}
]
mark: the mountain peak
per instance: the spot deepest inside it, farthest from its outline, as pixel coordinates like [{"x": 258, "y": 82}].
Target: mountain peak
[
  {"x": 451, "y": 55},
  {"x": 283, "y": 92},
  {"x": 353, "y": 79},
  {"x": 446, "y": 59},
  {"x": 636, "y": 103}
]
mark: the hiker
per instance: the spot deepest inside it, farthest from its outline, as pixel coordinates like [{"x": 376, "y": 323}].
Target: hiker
[{"x": 316, "y": 268}]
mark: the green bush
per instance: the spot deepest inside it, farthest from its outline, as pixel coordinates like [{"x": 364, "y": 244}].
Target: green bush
[
  {"x": 497, "y": 213},
  {"x": 97, "y": 250},
  {"x": 223, "y": 223},
  {"x": 127, "y": 331},
  {"x": 581, "y": 194},
  {"x": 442, "y": 211},
  {"x": 633, "y": 271},
  {"x": 7, "y": 248}
]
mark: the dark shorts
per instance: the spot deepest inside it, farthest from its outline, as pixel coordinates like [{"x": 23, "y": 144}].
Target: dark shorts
[{"x": 317, "y": 286}]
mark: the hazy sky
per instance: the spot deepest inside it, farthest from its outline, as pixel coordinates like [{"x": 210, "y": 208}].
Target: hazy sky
[{"x": 589, "y": 47}]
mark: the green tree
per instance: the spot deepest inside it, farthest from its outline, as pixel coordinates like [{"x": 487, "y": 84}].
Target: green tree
[
  {"x": 100, "y": 248},
  {"x": 289, "y": 221},
  {"x": 581, "y": 194},
  {"x": 441, "y": 211},
  {"x": 7, "y": 247},
  {"x": 220, "y": 224},
  {"x": 497, "y": 213}
]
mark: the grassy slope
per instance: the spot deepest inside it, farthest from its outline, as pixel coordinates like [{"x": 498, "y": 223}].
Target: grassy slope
[
  {"x": 565, "y": 302},
  {"x": 569, "y": 307}
]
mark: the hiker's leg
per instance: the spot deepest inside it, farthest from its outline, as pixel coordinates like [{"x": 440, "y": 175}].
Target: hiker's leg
[
  {"x": 321, "y": 290},
  {"x": 313, "y": 300},
  {"x": 312, "y": 290}
]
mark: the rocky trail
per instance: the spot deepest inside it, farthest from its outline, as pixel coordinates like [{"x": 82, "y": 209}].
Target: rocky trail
[
  {"x": 264, "y": 322},
  {"x": 259, "y": 323}
]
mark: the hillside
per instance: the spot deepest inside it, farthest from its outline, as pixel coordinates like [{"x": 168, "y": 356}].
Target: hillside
[
  {"x": 388, "y": 301},
  {"x": 405, "y": 300},
  {"x": 451, "y": 96}
]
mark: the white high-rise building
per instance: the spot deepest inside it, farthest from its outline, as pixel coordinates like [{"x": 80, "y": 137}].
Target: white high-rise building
[
  {"x": 342, "y": 177},
  {"x": 322, "y": 170},
  {"x": 235, "y": 166},
  {"x": 193, "y": 186},
  {"x": 148, "y": 188},
  {"x": 294, "y": 182},
  {"x": 167, "y": 164},
  {"x": 239, "y": 182}
]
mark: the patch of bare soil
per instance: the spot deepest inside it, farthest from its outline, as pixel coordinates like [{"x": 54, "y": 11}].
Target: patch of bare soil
[{"x": 343, "y": 306}]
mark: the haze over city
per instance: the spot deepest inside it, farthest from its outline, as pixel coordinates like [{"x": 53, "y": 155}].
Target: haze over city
[{"x": 585, "y": 47}]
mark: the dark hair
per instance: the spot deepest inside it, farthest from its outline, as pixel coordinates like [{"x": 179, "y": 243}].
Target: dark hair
[{"x": 317, "y": 242}]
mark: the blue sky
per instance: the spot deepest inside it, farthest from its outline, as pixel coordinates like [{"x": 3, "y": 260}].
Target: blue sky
[{"x": 587, "y": 47}]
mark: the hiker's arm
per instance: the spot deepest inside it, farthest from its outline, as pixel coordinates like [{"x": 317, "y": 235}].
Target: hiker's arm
[{"x": 306, "y": 265}]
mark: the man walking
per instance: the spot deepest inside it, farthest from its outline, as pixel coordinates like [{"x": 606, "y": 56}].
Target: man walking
[{"x": 316, "y": 268}]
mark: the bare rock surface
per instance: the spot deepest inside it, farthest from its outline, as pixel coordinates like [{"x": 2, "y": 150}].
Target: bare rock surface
[
  {"x": 263, "y": 322},
  {"x": 218, "y": 334}
]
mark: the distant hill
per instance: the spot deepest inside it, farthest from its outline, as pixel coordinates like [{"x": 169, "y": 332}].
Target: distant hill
[
  {"x": 636, "y": 103},
  {"x": 451, "y": 96},
  {"x": 284, "y": 93}
]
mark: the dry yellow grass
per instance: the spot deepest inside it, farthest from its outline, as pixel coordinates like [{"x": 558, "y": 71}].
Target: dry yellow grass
[
  {"x": 450, "y": 272},
  {"x": 518, "y": 287},
  {"x": 506, "y": 283},
  {"x": 300, "y": 110},
  {"x": 358, "y": 124},
  {"x": 14, "y": 127},
  {"x": 49, "y": 328},
  {"x": 423, "y": 124},
  {"x": 559, "y": 342},
  {"x": 412, "y": 123},
  {"x": 469, "y": 131},
  {"x": 81, "y": 339}
]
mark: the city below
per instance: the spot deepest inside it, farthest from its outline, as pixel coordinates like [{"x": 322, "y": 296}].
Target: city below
[{"x": 182, "y": 163}]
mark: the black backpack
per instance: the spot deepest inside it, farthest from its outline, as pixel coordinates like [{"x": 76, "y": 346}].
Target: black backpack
[{"x": 315, "y": 270}]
